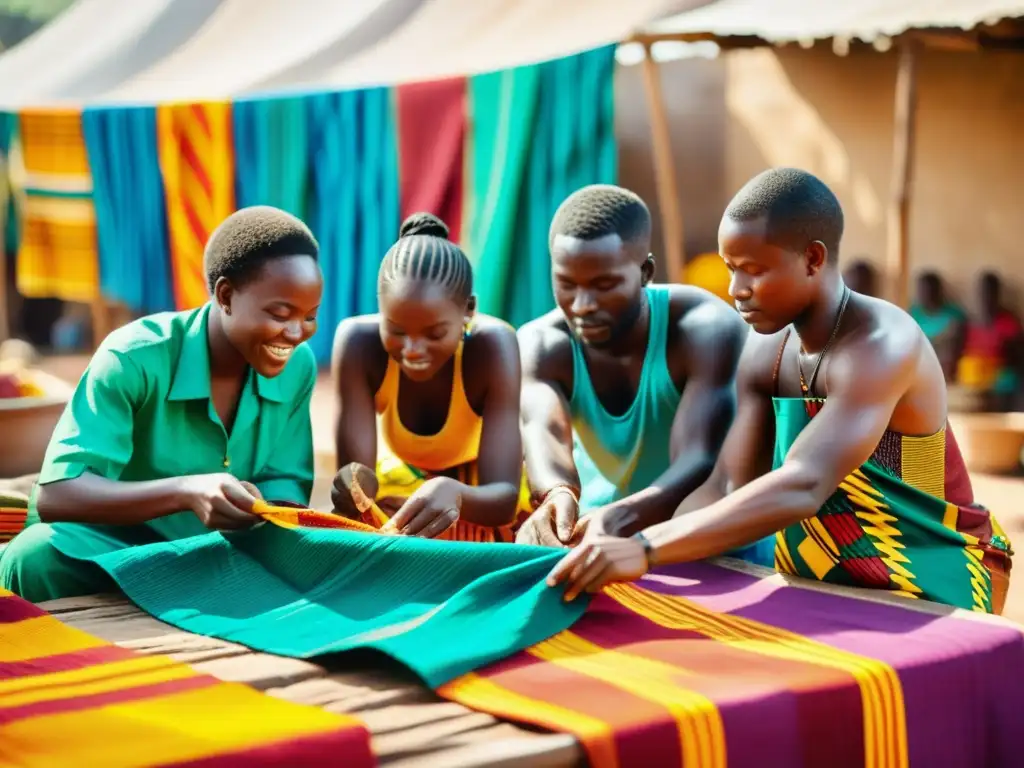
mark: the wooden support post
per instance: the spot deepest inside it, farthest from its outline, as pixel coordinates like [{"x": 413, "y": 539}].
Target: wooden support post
[
  {"x": 664, "y": 170},
  {"x": 100, "y": 312},
  {"x": 904, "y": 124}
]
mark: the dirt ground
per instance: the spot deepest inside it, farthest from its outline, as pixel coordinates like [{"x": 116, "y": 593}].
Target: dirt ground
[{"x": 1004, "y": 495}]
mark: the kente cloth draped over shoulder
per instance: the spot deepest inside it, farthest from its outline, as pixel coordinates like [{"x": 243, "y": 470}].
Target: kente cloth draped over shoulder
[
  {"x": 68, "y": 698},
  {"x": 905, "y": 521},
  {"x": 696, "y": 664}
]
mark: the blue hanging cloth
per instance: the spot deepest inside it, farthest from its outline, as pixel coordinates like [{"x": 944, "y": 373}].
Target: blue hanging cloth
[
  {"x": 128, "y": 194},
  {"x": 355, "y": 208}
]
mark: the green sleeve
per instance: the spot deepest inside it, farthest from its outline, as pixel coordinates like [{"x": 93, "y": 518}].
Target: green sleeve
[
  {"x": 288, "y": 476},
  {"x": 95, "y": 431}
]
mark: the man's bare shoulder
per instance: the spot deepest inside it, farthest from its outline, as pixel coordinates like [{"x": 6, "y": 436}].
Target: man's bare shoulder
[
  {"x": 702, "y": 315},
  {"x": 545, "y": 346},
  {"x": 883, "y": 334},
  {"x": 705, "y": 333}
]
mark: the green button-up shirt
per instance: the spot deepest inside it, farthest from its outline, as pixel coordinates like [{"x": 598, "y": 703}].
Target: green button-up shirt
[{"x": 143, "y": 411}]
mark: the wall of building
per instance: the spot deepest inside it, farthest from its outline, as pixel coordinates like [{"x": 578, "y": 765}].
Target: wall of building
[
  {"x": 833, "y": 116},
  {"x": 695, "y": 100}
]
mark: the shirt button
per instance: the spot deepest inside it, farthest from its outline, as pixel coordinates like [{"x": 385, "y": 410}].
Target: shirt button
[{"x": 227, "y": 461}]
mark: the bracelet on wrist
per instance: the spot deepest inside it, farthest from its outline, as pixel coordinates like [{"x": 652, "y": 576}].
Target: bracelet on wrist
[
  {"x": 648, "y": 547},
  {"x": 561, "y": 489}
]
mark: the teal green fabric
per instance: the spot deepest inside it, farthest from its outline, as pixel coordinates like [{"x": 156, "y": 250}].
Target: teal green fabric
[
  {"x": 9, "y": 216},
  {"x": 142, "y": 411},
  {"x": 30, "y": 566},
  {"x": 271, "y": 153},
  {"x": 353, "y": 155},
  {"x": 441, "y": 608},
  {"x": 616, "y": 456},
  {"x": 539, "y": 133},
  {"x": 934, "y": 324}
]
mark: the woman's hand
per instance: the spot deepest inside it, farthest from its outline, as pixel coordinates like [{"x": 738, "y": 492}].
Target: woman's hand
[
  {"x": 354, "y": 484},
  {"x": 430, "y": 511},
  {"x": 598, "y": 561}
]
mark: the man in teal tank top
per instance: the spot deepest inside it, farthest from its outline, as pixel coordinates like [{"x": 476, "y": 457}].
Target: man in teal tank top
[
  {"x": 840, "y": 447},
  {"x": 627, "y": 386}
]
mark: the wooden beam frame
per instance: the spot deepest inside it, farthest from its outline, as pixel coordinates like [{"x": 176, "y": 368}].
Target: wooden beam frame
[
  {"x": 672, "y": 231},
  {"x": 904, "y": 132}
]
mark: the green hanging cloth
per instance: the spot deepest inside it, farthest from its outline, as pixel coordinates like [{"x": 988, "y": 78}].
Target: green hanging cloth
[{"x": 538, "y": 134}]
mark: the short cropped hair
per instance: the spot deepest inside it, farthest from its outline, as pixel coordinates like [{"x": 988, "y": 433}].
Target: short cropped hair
[
  {"x": 600, "y": 210},
  {"x": 249, "y": 238},
  {"x": 425, "y": 254},
  {"x": 796, "y": 206}
]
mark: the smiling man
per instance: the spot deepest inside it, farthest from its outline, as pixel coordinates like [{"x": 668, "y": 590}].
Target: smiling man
[
  {"x": 840, "y": 445},
  {"x": 627, "y": 386},
  {"x": 183, "y": 418}
]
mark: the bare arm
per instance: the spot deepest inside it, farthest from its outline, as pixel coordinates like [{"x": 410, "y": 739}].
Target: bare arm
[
  {"x": 747, "y": 452},
  {"x": 355, "y": 428},
  {"x": 714, "y": 338},
  {"x": 500, "y": 463},
  {"x": 545, "y": 417},
  {"x": 547, "y": 437},
  {"x": 866, "y": 382},
  {"x": 90, "y": 498},
  {"x": 92, "y": 444}
]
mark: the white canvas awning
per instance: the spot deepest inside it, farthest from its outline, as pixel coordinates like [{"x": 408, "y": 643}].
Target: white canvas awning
[
  {"x": 781, "y": 21},
  {"x": 93, "y": 46}
]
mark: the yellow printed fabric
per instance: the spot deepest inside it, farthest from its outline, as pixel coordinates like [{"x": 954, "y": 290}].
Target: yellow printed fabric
[
  {"x": 197, "y": 162},
  {"x": 58, "y": 255}
]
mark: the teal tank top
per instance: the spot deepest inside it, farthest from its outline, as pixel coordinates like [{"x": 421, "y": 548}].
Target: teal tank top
[{"x": 619, "y": 455}]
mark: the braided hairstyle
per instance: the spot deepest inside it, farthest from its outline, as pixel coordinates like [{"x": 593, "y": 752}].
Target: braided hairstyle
[{"x": 424, "y": 253}]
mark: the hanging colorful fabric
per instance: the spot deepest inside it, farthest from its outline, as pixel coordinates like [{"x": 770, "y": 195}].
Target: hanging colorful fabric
[
  {"x": 57, "y": 257},
  {"x": 539, "y": 133},
  {"x": 431, "y": 141},
  {"x": 134, "y": 252},
  {"x": 197, "y": 161}
]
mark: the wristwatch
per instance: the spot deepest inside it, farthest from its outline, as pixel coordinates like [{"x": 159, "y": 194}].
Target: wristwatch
[{"x": 648, "y": 547}]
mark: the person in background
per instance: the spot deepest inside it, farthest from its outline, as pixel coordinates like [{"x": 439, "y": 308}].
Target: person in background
[
  {"x": 184, "y": 419},
  {"x": 627, "y": 386},
  {"x": 994, "y": 351},
  {"x": 444, "y": 380},
  {"x": 944, "y": 323},
  {"x": 862, "y": 278}
]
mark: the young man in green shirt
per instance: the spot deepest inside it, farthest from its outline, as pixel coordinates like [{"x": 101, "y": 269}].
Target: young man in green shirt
[{"x": 182, "y": 419}]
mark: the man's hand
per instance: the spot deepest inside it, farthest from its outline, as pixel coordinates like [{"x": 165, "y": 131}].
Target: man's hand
[
  {"x": 552, "y": 524},
  {"x": 598, "y": 561},
  {"x": 220, "y": 501}
]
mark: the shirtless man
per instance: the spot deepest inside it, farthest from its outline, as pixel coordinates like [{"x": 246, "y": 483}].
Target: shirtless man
[
  {"x": 840, "y": 442},
  {"x": 627, "y": 386}
]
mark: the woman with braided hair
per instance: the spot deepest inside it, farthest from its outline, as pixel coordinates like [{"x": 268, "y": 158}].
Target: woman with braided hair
[{"x": 444, "y": 381}]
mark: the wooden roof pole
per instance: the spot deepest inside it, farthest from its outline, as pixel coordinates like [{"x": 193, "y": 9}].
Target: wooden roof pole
[
  {"x": 664, "y": 170},
  {"x": 904, "y": 131}
]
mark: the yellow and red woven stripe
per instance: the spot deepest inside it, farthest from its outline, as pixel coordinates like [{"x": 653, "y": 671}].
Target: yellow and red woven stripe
[
  {"x": 68, "y": 698},
  {"x": 58, "y": 255},
  {"x": 646, "y": 674},
  {"x": 197, "y": 163}
]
